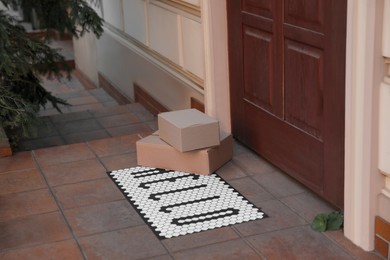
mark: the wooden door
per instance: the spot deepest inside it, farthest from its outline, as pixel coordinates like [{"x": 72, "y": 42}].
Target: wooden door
[{"x": 287, "y": 73}]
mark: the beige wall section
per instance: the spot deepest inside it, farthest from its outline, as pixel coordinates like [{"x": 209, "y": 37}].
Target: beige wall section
[
  {"x": 122, "y": 66},
  {"x": 365, "y": 71},
  {"x": 113, "y": 13},
  {"x": 85, "y": 54}
]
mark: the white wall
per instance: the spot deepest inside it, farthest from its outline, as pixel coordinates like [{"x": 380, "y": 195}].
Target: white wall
[
  {"x": 113, "y": 13},
  {"x": 157, "y": 45},
  {"x": 85, "y": 54},
  {"x": 122, "y": 66},
  {"x": 135, "y": 23}
]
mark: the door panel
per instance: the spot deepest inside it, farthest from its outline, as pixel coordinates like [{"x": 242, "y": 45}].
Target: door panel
[
  {"x": 308, "y": 14},
  {"x": 287, "y": 86},
  {"x": 304, "y": 87},
  {"x": 259, "y": 7},
  {"x": 258, "y": 75}
]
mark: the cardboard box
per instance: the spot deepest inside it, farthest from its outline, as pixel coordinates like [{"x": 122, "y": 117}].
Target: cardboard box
[
  {"x": 154, "y": 152},
  {"x": 188, "y": 129}
]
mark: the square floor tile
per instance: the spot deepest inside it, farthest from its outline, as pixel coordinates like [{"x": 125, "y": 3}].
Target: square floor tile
[
  {"x": 279, "y": 184},
  {"x": 121, "y": 161},
  {"x": 109, "y": 111},
  {"x": 82, "y": 100},
  {"x": 33, "y": 230},
  {"x": 73, "y": 172},
  {"x": 79, "y": 126},
  {"x": 18, "y": 161},
  {"x": 23, "y": 204},
  {"x": 118, "y": 120},
  {"x": 128, "y": 129},
  {"x": 250, "y": 189},
  {"x": 71, "y": 116},
  {"x": 66, "y": 250},
  {"x": 279, "y": 217},
  {"x": 338, "y": 237},
  {"x": 85, "y": 136},
  {"x": 87, "y": 193},
  {"x": 19, "y": 181},
  {"x": 297, "y": 243},
  {"x": 236, "y": 249},
  {"x": 252, "y": 164},
  {"x": 63, "y": 154},
  {"x": 41, "y": 143},
  {"x": 102, "y": 218},
  {"x": 307, "y": 205},
  {"x": 230, "y": 172},
  {"x": 200, "y": 239},
  {"x": 87, "y": 107},
  {"x": 114, "y": 145},
  {"x": 131, "y": 243}
]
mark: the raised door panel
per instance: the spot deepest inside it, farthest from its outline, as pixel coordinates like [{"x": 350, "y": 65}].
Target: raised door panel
[
  {"x": 260, "y": 7},
  {"x": 258, "y": 72},
  {"x": 303, "y": 87},
  {"x": 308, "y": 14},
  {"x": 262, "y": 74}
]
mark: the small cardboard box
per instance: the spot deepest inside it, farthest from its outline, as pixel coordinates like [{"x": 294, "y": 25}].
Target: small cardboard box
[
  {"x": 154, "y": 152},
  {"x": 188, "y": 129}
]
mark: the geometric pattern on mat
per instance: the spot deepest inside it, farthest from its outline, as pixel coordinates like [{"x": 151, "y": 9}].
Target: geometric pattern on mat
[{"x": 176, "y": 203}]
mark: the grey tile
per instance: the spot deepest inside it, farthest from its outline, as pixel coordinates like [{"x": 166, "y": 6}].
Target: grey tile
[
  {"x": 252, "y": 164},
  {"x": 251, "y": 190},
  {"x": 86, "y": 136},
  {"x": 235, "y": 249},
  {"x": 230, "y": 172},
  {"x": 307, "y": 205},
  {"x": 71, "y": 117},
  {"x": 87, "y": 193},
  {"x": 130, "y": 243},
  {"x": 200, "y": 239},
  {"x": 297, "y": 243},
  {"x": 128, "y": 129},
  {"x": 102, "y": 218},
  {"x": 79, "y": 126},
  {"x": 279, "y": 217},
  {"x": 279, "y": 184}
]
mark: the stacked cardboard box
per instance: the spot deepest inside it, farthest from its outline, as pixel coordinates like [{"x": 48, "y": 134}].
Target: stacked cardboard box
[{"x": 187, "y": 141}]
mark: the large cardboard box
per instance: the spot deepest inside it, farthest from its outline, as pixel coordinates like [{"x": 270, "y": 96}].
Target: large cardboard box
[
  {"x": 154, "y": 152},
  {"x": 188, "y": 129}
]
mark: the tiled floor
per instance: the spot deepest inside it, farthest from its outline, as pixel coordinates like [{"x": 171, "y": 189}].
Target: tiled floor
[
  {"x": 93, "y": 114},
  {"x": 58, "y": 202}
]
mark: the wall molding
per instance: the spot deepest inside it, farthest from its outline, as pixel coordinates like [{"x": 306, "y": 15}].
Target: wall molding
[
  {"x": 169, "y": 67},
  {"x": 145, "y": 99}
]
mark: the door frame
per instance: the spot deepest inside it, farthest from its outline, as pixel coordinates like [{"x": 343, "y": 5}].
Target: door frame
[{"x": 363, "y": 181}]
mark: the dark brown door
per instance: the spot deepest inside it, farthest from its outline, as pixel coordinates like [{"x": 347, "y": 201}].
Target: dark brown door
[{"x": 287, "y": 69}]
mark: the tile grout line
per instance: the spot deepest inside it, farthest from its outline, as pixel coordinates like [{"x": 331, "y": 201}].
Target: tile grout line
[
  {"x": 59, "y": 206},
  {"x": 102, "y": 127},
  {"x": 248, "y": 243}
]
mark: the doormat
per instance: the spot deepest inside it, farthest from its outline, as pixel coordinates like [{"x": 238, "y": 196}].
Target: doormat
[{"x": 176, "y": 203}]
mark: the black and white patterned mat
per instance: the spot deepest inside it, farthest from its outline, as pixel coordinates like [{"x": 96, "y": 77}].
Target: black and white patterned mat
[{"x": 175, "y": 203}]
